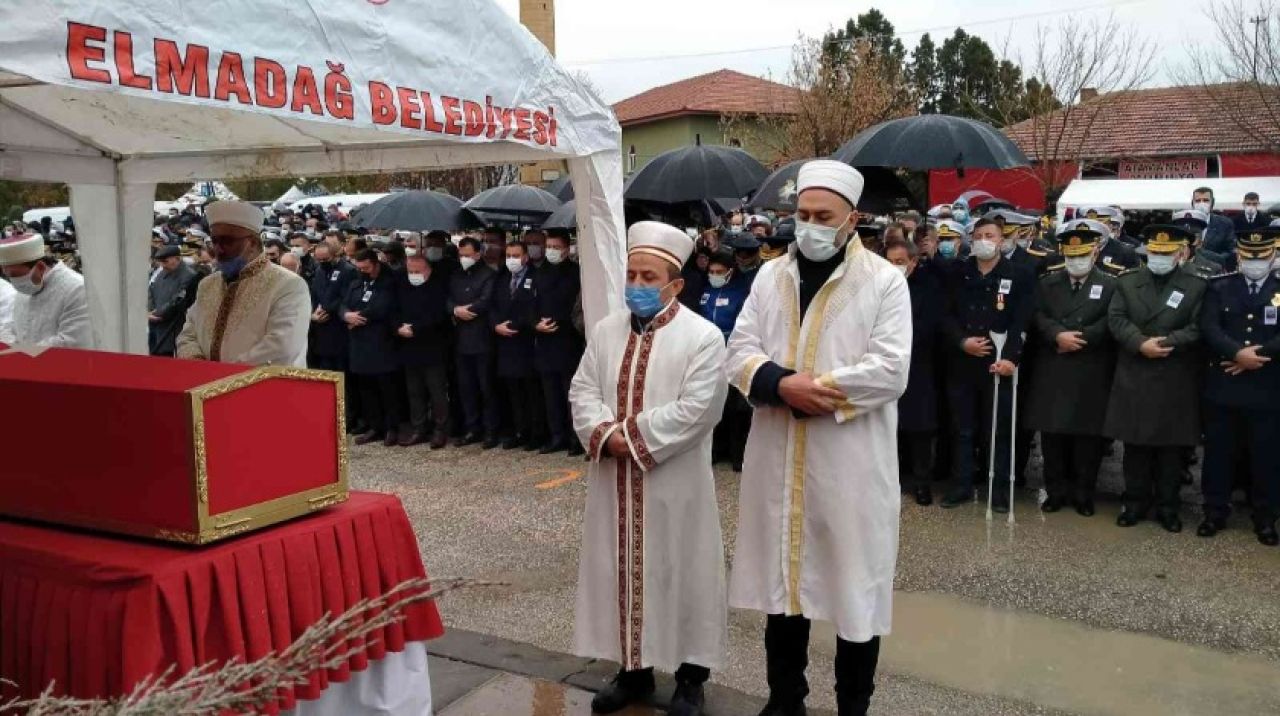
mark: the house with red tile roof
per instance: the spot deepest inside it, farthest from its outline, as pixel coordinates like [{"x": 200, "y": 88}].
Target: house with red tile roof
[{"x": 695, "y": 110}]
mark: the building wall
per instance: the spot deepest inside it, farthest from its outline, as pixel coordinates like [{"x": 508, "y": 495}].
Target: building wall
[
  {"x": 653, "y": 138},
  {"x": 539, "y": 17}
]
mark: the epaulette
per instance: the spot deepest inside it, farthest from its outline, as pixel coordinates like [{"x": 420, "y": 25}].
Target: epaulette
[
  {"x": 1227, "y": 274},
  {"x": 1055, "y": 267},
  {"x": 1037, "y": 252}
]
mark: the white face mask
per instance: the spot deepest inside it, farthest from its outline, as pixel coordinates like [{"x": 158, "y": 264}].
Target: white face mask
[
  {"x": 984, "y": 249},
  {"x": 1251, "y": 212},
  {"x": 1162, "y": 264},
  {"x": 1079, "y": 266},
  {"x": 467, "y": 262},
  {"x": 298, "y": 251},
  {"x": 514, "y": 265},
  {"x": 435, "y": 253},
  {"x": 718, "y": 280},
  {"x": 189, "y": 260},
  {"x": 904, "y": 268},
  {"x": 555, "y": 256},
  {"x": 818, "y": 242},
  {"x": 417, "y": 279},
  {"x": 1024, "y": 244},
  {"x": 1202, "y": 206},
  {"x": 1008, "y": 246},
  {"x": 25, "y": 286},
  {"x": 1255, "y": 269},
  {"x": 410, "y": 252}
]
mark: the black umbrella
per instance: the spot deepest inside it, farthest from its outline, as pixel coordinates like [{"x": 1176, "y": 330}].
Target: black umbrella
[
  {"x": 514, "y": 201},
  {"x": 561, "y": 188},
  {"x": 694, "y": 174},
  {"x": 566, "y": 217},
  {"x": 883, "y": 191},
  {"x": 415, "y": 211},
  {"x": 932, "y": 141}
]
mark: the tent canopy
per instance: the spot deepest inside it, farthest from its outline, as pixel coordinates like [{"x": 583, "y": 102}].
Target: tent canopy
[
  {"x": 1164, "y": 194},
  {"x": 111, "y": 99}
]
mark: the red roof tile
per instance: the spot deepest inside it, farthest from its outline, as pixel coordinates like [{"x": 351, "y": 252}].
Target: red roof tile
[
  {"x": 1163, "y": 121},
  {"x": 720, "y": 92}
]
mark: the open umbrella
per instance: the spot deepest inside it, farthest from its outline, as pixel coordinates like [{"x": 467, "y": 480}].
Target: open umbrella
[
  {"x": 932, "y": 141},
  {"x": 513, "y": 201},
  {"x": 882, "y": 193},
  {"x": 561, "y": 188},
  {"x": 695, "y": 173},
  {"x": 566, "y": 217},
  {"x": 415, "y": 211}
]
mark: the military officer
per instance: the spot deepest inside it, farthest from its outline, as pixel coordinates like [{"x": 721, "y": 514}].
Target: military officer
[
  {"x": 1020, "y": 243},
  {"x": 1241, "y": 332},
  {"x": 1114, "y": 257},
  {"x": 952, "y": 242},
  {"x": 1154, "y": 407},
  {"x": 1076, "y": 359},
  {"x": 1114, "y": 219},
  {"x": 1195, "y": 222}
]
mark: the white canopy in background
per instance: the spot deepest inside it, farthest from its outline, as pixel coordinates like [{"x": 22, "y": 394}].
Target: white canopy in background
[
  {"x": 113, "y": 97},
  {"x": 1165, "y": 194}
]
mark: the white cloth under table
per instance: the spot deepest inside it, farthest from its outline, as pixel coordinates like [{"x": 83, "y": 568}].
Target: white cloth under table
[{"x": 397, "y": 685}]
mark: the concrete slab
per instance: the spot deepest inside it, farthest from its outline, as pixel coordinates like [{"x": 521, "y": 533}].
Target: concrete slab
[
  {"x": 512, "y": 695},
  {"x": 451, "y": 680},
  {"x": 508, "y": 656}
]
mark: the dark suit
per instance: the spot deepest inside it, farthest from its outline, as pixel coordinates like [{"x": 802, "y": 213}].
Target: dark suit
[
  {"x": 425, "y": 355},
  {"x": 556, "y": 355},
  {"x": 1117, "y": 257},
  {"x": 329, "y": 339},
  {"x": 1068, "y": 392},
  {"x": 515, "y": 303},
  {"x": 1243, "y": 413},
  {"x": 1219, "y": 239},
  {"x": 474, "y": 287},
  {"x": 169, "y": 297},
  {"x": 918, "y": 406},
  {"x": 1154, "y": 407},
  {"x": 372, "y": 349},
  {"x": 1241, "y": 223}
]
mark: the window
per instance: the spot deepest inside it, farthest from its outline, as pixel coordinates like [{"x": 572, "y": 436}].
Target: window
[
  {"x": 631, "y": 159},
  {"x": 735, "y": 142}
]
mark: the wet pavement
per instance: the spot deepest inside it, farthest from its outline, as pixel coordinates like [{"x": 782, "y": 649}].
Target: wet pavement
[{"x": 1055, "y": 614}]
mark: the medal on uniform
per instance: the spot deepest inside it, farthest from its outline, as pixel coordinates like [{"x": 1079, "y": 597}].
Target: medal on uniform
[
  {"x": 999, "y": 301},
  {"x": 1275, "y": 299}
]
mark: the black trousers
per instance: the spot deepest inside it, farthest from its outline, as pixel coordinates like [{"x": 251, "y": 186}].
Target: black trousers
[
  {"x": 729, "y": 440},
  {"x": 1230, "y": 433},
  {"x": 428, "y": 389},
  {"x": 479, "y": 400},
  {"x": 786, "y": 644},
  {"x": 915, "y": 459},
  {"x": 524, "y": 397},
  {"x": 380, "y": 399},
  {"x": 687, "y": 674},
  {"x": 1153, "y": 476},
  {"x": 970, "y": 411},
  {"x": 1071, "y": 464},
  {"x": 555, "y": 398},
  {"x": 351, "y": 391}
]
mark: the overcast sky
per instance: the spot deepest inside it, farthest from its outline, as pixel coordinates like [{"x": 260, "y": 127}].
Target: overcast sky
[{"x": 607, "y": 38}]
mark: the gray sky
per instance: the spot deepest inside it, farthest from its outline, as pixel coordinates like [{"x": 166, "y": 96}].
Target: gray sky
[{"x": 604, "y": 38}]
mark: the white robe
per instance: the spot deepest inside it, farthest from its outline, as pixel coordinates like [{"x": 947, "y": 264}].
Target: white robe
[
  {"x": 57, "y": 316},
  {"x": 818, "y": 508},
  {"x": 651, "y": 583},
  {"x": 7, "y": 294},
  {"x": 262, "y": 319}
]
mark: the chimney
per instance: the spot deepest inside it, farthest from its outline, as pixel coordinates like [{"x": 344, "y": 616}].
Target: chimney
[
  {"x": 1088, "y": 93},
  {"x": 539, "y": 16}
]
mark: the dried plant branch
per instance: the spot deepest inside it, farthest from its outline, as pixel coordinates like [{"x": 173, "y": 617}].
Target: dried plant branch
[{"x": 245, "y": 687}]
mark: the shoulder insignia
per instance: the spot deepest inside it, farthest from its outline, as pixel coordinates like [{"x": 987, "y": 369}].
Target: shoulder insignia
[
  {"x": 1037, "y": 252},
  {"x": 1227, "y": 274},
  {"x": 1056, "y": 267}
]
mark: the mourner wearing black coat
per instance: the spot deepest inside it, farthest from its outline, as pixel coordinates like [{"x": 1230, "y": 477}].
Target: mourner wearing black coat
[
  {"x": 1068, "y": 392},
  {"x": 329, "y": 332},
  {"x": 557, "y": 345},
  {"x": 1242, "y": 394},
  {"x": 513, "y": 318},
  {"x": 423, "y": 326},
  {"x": 470, "y": 297},
  {"x": 918, "y": 406},
  {"x": 168, "y": 298},
  {"x": 370, "y": 311}
]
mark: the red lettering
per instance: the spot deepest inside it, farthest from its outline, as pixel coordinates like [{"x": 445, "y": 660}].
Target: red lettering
[
  {"x": 124, "y": 63},
  {"x": 231, "y": 79},
  {"x": 409, "y": 108},
  {"x": 540, "y": 120},
  {"x": 475, "y": 118},
  {"x": 490, "y": 119},
  {"x": 337, "y": 93},
  {"x": 551, "y": 132},
  {"x": 429, "y": 122},
  {"x": 508, "y": 122},
  {"x": 452, "y": 115},
  {"x": 80, "y": 53},
  {"x": 305, "y": 93},
  {"x": 194, "y": 75},
  {"x": 382, "y": 104},
  {"x": 270, "y": 84},
  {"x": 522, "y": 124}
]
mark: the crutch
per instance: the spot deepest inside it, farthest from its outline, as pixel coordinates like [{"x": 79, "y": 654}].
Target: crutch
[
  {"x": 998, "y": 339},
  {"x": 1013, "y": 440}
]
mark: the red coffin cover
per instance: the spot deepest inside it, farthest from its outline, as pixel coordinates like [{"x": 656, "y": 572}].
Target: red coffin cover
[{"x": 106, "y": 440}]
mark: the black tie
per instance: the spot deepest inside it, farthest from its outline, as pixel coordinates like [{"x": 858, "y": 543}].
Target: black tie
[
  {"x": 1075, "y": 286},
  {"x": 1253, "y": 288}
]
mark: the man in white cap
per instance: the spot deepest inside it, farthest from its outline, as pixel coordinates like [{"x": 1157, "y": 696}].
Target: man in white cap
[
  {"x": 51, "y": 309},
  {"x": 645, "y": 400},
  {"x": 822, "y": 348},
  {"x": 249, "y": 310}
]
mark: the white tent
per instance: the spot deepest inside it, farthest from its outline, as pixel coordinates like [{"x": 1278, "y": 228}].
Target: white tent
[
  {"x": 115, "y": 97},
  {"x": 287, "y": 198},
  {"x": 1165, "y": 194}
]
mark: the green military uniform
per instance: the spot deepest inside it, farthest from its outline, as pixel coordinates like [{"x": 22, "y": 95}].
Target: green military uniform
[{"x": 1154, "y": 406}]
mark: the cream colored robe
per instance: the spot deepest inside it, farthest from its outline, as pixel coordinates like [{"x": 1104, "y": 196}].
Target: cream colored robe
[
  {"x": 651, "y": 585},
  {"x": 57, "y": 317},
  {"x": 818, "y": 509},
  {"x": 261, "y": 319}
]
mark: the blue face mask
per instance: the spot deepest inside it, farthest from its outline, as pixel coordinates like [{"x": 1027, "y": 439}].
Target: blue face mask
[
  {"x": 960, "y": 214},
  {"x": 231, "y": 268},
  {"x": 644, "y": 301},
  {"x": 947, "y": 249}
]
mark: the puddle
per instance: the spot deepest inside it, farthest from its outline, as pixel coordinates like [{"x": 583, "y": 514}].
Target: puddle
[{"x": 1064, "y": 665}]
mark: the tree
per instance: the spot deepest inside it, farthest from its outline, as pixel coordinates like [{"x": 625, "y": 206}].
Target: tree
[
  {"x": 873, "y": 28},
  {"x": 925, "y": 75},
  {"x": 1239, "y": 73}
]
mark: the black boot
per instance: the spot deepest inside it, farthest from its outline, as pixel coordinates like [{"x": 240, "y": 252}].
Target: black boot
[
  {"x": 628, "y": 687},
  {"x": 786, "y": 645},
  {"x": 688, "y": 700},
  {"x": 855, "y": 675}
]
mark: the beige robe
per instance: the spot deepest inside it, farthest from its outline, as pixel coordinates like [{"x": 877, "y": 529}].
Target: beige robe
[
  {"x": 260, "y": 319},
  {"x": 651, "y": 585}
]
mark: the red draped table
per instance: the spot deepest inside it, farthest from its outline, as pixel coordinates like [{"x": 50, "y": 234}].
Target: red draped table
[{"x": 96, "y": 613}]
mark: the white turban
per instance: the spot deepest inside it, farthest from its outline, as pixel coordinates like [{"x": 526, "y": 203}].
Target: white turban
[
  {"x": 21, "y": 249},
  {"x": 235, "y": 213},
  {"x": 833, "y": 176},
  {"x": 661, "y": 240}
]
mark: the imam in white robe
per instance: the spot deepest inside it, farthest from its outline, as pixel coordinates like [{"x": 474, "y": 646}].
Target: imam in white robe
[
  {"x": 260, "y": 319},
  {"x": 7, "y": 294},
  {"x": 57, "y": 316},
  {"x": 818, "y": 507},
  {"x": 651, "y": 583}
]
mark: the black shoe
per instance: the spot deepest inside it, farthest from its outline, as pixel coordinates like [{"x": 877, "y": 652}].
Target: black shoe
[
  {"x": 392, "y": 439},
  {"x": 411, "y": 440},
  {"x": 465, "y": 440},
  {"x": 956, "y": 498},
  {"x": 1267, "y": 535},
  {"x": 736, "y": 466},
  {"x": 924, "y": 496},
  {"x": 688, "y": 700},
  {"x": 491, "y": 443},
  {"x": 532, "y": 446},
  {"x": 1053, "y": 504},
  {"x": 513, "y": 443},
  {"x": 1128, "y": 518},
  {"x": 439, "y": 441},
  {"x": 575, "y": 450},
  {"x": 1171, "y": 523},
  {"x": 1000, "y": 502},
  {"x": 780, "y": 709},
  {"x": 626, "y": 688},
  {"x": 1084, "y": 508},
  {"x": 369, "y": 437},
  {"x": 1211, "y": 526}
]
